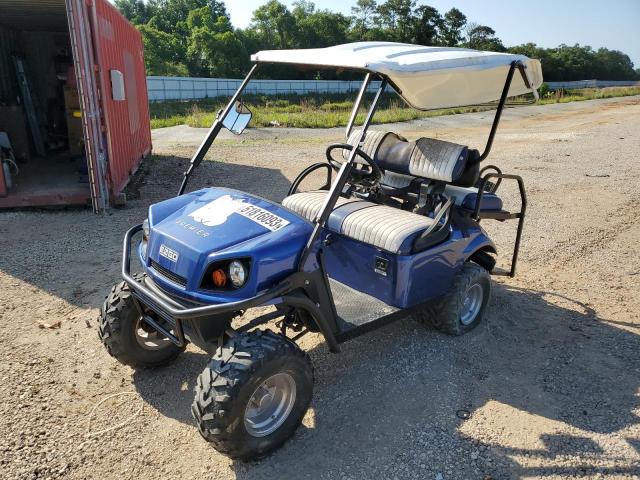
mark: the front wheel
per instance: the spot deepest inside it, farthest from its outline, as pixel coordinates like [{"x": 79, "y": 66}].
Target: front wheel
[
  {"x": 252, "y": 395},
  {"x": 462, "y": 308},
  {"x": 127, "y": 337}
]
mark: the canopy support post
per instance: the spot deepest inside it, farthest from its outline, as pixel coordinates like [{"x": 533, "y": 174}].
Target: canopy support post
[
  {"x": 213, "y": 131},
  {"x": 339, "y": 182},
  {"x": 496, "y": 119},
  {"x": 356, "y": 106}
]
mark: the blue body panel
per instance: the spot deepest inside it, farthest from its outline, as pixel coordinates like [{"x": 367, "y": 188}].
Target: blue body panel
[
  {"x": 411, "y": 279},
  {"x": 226, "y": 234},
  {"x": 207, "y": 226}
]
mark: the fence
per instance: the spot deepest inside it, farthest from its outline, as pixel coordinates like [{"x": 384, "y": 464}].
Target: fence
[
  {"x": 185, "y": 88},
  {"x": 592, "y": 84}
]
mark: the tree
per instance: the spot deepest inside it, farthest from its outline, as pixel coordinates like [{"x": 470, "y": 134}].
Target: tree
[
  {"x": 164, "y": 53},
  {"x": 196, "y": 37},
  {"x": 219, "y": 9},
  {"x": 136, "y": 11},
  {"x": 427, "y": 26},
  {"x": 397, "y": 17},
  {"x": 275, "y": 24},
  {"x": 213, "y": 47},
  {"x": 481, "y": 37},
  {"x": 318, "y": 28},
  {"x": 363, "y": 14},
  {"x": 171, "y": 15},
  {"x": 614, "y": 65},
  {"x": 452, "y": 25}
]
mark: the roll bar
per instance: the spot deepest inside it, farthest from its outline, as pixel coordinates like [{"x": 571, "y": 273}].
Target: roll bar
[{"x": 503, "y": 98}]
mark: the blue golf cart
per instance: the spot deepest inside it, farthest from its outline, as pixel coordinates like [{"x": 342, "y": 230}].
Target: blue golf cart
[{"x": 394, "y": 231}]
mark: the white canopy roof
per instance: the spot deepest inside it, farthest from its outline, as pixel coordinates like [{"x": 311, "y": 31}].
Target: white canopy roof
[{"x": 425, "y": 77}]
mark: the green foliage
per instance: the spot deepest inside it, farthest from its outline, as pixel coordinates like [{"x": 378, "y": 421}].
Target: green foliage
[
  {"x": 363, "y": 15},
  {"x": 428, "y": 26},
  {"x": 481, "y": 37},
  {"x": 543, "y": 91},
  {"x": 566, "y": 63},
  {"x": 164, "y": 53},
  {"x": 137, "y": 11},
  {"x": 196, "y": 37},
  {"x": 452, "y": 24}
]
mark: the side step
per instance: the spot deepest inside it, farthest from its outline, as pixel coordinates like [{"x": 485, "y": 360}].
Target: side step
[{"x": 358, "y": 312}]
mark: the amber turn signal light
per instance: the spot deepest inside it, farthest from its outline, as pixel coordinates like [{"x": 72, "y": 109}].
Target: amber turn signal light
[{"x": 219, "y": 278}]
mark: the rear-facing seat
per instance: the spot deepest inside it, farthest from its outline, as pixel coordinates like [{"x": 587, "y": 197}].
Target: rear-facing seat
[
  {"x": 408, "y": 164},
  {"x": 391, "y": 229}
]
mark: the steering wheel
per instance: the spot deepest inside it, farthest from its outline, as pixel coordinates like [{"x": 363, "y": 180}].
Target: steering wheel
[{"x": 367, "y": 174}]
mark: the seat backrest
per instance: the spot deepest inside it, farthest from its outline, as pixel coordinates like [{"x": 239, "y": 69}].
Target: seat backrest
[{"x": 425, "y": 158}]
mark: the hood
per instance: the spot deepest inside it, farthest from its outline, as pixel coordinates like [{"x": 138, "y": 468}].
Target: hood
[
  {"x": 190, "y": 231},
  {"x": 216, "y": 218}
]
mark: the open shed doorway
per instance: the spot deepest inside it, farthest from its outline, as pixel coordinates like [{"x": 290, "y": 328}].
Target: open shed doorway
[{"x": 41, "y": 132}]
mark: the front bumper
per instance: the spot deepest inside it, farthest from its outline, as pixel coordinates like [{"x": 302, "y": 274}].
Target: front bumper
[
  {"x": 299, "y": 290},
  {"x": 173, "y": 311}
]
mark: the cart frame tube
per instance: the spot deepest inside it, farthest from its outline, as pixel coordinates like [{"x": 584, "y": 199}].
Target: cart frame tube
[
  {"x": 341, "y": 179},
  {"x": 214, "y": 130}
]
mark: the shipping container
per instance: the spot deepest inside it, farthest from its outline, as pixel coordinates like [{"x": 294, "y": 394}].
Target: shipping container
[{"x": 74, "y": 114}]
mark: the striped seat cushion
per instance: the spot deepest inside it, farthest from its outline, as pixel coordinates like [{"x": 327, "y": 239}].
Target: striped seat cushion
[
  {"x": 384, "y": 227},
  {"x": 425, "y": 158}
]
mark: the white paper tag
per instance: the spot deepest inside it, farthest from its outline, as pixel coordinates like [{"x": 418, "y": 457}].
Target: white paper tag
[{"x": 263, "y": 217}]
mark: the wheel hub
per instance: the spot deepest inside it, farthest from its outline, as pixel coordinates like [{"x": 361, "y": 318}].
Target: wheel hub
[
  {"x": 148, "y": 338},
  {"x": 472, "y": 304},
  {"x": 270, "y": 405}
]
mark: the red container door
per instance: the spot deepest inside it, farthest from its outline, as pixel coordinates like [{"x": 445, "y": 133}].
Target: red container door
[
  {"x": 83, "y": 56},
  {"x": 123, "y": 87}
]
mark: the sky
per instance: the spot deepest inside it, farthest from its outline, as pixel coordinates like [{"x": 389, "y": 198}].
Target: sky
[{"x": 614, "y": 24}]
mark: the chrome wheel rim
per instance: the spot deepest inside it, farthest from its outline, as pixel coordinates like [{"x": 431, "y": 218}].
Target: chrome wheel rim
[
  {"x": 270, "y": 405},
  {"x": 148, "y": 338},
  {"x": 472, "y": 304}
]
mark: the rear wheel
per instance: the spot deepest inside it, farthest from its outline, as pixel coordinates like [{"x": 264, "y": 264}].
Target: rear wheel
[
  {"x": 127, "y": 337},
  {"x": 462, "y": 308},
  {"x": 252, "y": 395}
]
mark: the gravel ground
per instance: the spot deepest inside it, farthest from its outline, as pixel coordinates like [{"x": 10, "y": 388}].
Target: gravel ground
[{"x": 550, "y": 380}]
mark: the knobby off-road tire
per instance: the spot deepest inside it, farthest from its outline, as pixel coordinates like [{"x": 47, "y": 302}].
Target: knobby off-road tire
[
  {"x": 125, "y": 336},
  {"x": 234, "y": 376},
  {"x": 450, "y": 314}
]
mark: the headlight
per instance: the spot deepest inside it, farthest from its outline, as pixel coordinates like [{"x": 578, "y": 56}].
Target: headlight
[
  {"x": 145, "y": 229},
  {"x": 237, "y": 273}
]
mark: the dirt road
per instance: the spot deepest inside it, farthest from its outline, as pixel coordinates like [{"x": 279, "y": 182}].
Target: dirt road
[{"x": 551, "y": 380}]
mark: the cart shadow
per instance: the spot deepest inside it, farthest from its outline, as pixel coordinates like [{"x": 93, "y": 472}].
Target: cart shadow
[
  {"x": 390, "y": 403},
  {"x": 169, "y": 390},
  {"x": 540, "y": 357},
  {"x": 78, "y": 253}
]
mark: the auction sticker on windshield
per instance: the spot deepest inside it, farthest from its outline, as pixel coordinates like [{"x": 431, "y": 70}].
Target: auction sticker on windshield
[{"x": 263, "y": 217}]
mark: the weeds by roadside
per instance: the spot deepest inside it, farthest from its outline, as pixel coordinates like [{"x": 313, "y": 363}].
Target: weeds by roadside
[{"x": 332, "y": 110}]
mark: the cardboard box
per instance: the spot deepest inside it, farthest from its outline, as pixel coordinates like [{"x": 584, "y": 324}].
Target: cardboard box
[
  {"x": 13, "y": 121},
  {"x": 71, "y": 99},
  {"x": 75, "y": 134}
]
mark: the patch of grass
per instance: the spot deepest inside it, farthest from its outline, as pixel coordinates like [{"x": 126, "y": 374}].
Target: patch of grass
[
  {"x": 332, "y": 110},
  {"x": 581, "y": 94}
]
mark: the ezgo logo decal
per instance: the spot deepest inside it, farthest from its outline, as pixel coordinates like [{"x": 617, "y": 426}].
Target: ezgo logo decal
[{"x": 166, "y": 252}]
